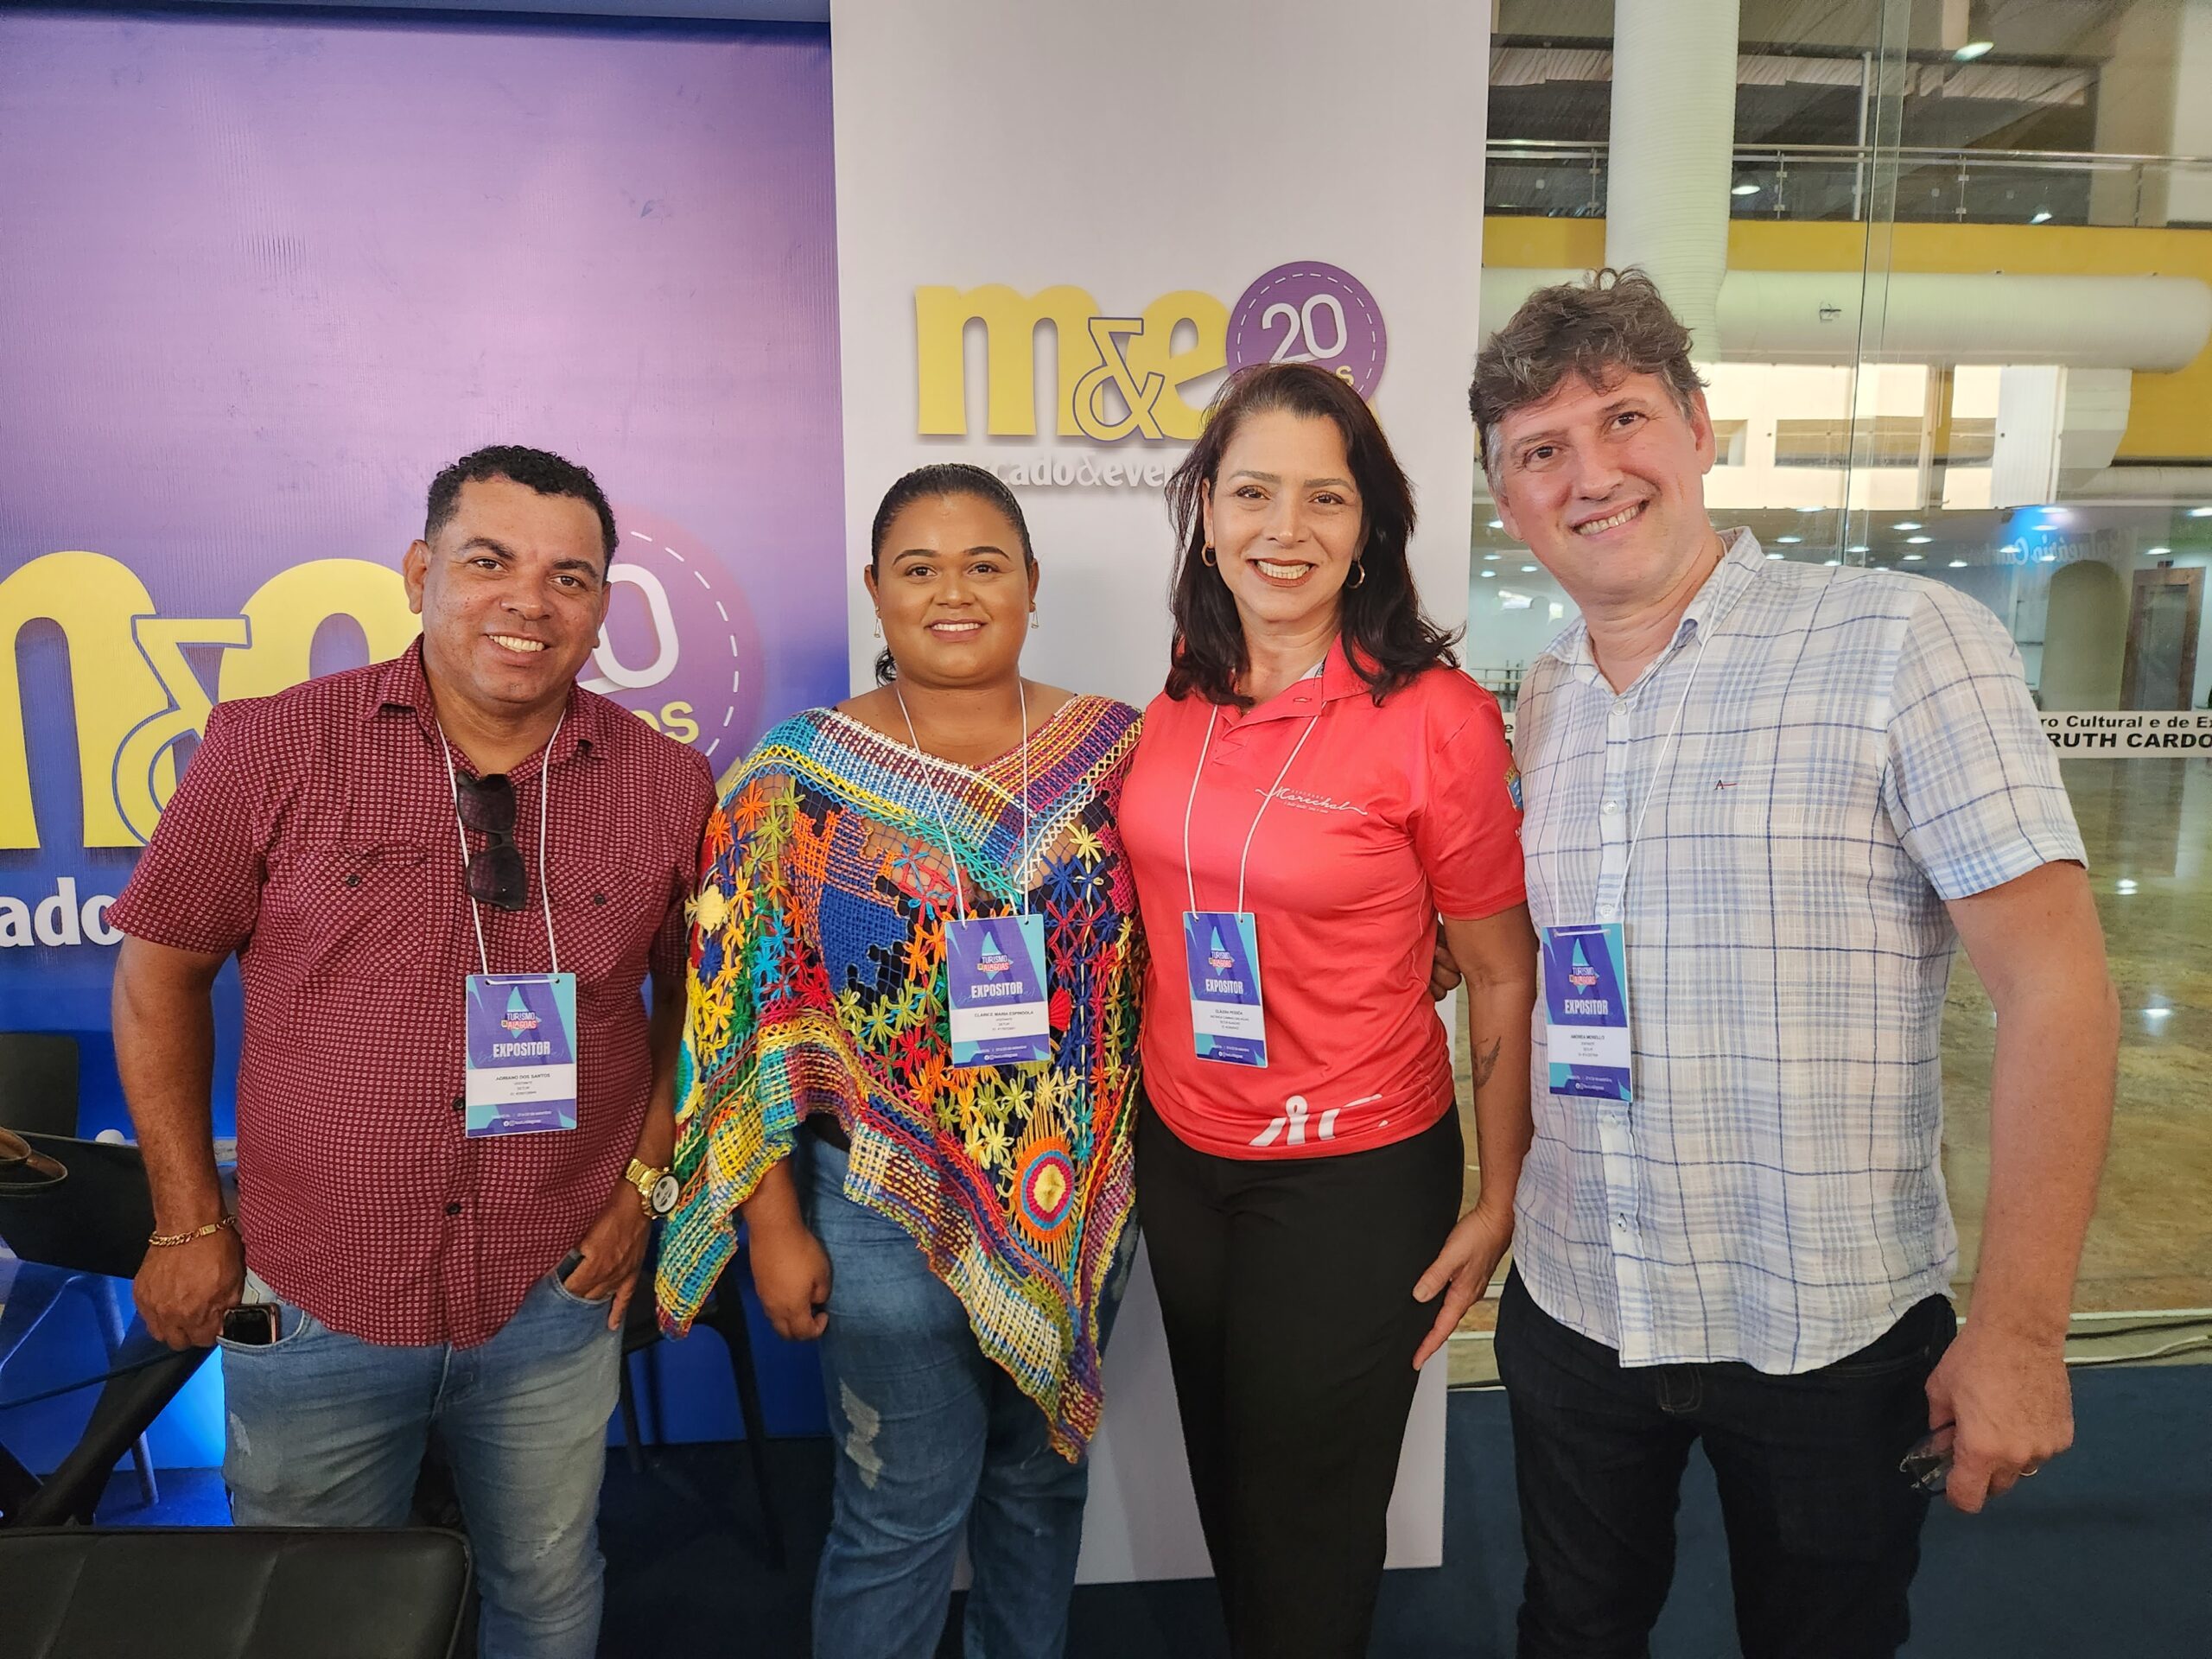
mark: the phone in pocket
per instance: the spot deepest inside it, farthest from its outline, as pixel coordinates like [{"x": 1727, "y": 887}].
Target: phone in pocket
[{"x": 251, "y": 1324}]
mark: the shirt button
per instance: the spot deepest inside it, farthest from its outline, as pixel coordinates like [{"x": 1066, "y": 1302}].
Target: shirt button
[
  {"x": 452, "y": 1209},
  {"x": 1620, "y": 709},
  {"x": 1612, "y": 809},
  {"x": 461, "y": 1102},
  {"x": 599, "y": 898},
  {"x": 352, "y": 880}
]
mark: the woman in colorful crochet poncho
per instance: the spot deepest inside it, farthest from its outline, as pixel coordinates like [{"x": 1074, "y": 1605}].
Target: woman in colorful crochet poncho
[{"x": 916, "y": 964}]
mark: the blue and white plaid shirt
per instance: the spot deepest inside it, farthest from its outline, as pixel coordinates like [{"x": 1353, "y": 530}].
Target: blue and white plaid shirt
[{"x": 1856, "y": 747}]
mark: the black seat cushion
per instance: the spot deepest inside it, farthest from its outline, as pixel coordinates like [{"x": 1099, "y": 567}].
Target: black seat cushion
[{"x": 232, "y": 1592}]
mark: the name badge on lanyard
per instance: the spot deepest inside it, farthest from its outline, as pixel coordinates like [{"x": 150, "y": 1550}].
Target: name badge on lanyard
[
  {"x": 519, "y": 1062},
  {"x": 1220, "y": 948},
  {"x": 1585, "y": 1012},
  {"x": 995, "y": 981},
  {"x": 1229, "y": 1023},
  {"x": 521, "y": 1077},
  {"x": 998, "y": 1010}
]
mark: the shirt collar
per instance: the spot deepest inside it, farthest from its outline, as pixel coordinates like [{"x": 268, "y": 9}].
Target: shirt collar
[
  {"x": 1338, "y": 679},
  {"x": 1742, "y": 563},
  {"x": 403, "y": 684}
]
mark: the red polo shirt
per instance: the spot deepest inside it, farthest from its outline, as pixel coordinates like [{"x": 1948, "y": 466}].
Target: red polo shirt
[
  {"x": 1387, "y": 818},
  {"x": 313, "y": 834}
]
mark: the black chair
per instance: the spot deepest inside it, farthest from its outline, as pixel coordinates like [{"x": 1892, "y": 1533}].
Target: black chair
[
  {"x": 723, "y": 1315},
  {"x": 39, "y": 1073},
  {"x": 235, "y": 1593},
  {"x": 93, "y": 1220}
]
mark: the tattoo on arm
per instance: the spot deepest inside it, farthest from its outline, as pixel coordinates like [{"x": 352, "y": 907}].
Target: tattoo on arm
[{"x": 1486, "y": 1060}]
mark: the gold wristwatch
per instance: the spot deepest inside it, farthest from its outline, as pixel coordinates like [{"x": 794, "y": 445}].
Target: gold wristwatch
[{"x": 656, "y": 1188}]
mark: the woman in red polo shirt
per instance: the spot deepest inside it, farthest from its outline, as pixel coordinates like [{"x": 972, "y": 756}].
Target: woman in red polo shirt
[{"x": 1316, "y": 786}]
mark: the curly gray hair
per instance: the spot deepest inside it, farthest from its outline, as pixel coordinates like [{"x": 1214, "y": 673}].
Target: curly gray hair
[{"x": 1612, "y": 325}]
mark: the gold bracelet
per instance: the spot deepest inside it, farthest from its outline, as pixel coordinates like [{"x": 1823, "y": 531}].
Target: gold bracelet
[{"x": 170, "y": 1241}]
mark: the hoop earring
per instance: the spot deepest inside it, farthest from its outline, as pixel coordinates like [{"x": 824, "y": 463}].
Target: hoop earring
[
  {"x": 1206, "y": 556},
  {"x": 1358, "y": 577}
]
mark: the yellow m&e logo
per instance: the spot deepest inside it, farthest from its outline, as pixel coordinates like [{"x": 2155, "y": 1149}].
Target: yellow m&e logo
[
  {"x": 135, "y": 692},
  {"x": 1119, "y": 377}
]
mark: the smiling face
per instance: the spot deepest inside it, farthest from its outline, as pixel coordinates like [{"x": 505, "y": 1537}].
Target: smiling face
[
  {"x": 511, "y": 595},
  {"x": 1285, "y": 520},
  {"x": 954, "y": 592},
  {"x": 1606, "y": 486}
]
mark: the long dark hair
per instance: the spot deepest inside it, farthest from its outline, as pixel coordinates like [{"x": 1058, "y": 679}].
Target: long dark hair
[
  {"x": 1387, "y": 638},
  {"x": 942, "y": 478}
]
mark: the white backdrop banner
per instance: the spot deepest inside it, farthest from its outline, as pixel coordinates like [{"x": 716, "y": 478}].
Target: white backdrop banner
[{"x": 1058, "y": 228}]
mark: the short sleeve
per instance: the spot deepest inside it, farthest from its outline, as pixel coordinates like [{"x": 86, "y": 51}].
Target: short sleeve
[
  {"x": 1972, "y": 785},
  {"x": 1466, "y": 830},
  {"x": 198, "y": 884},
  {"x": 695, "y": 802}
]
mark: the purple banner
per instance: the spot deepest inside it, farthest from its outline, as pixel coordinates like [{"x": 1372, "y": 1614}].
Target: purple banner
[{"x": 263, "y": 278}]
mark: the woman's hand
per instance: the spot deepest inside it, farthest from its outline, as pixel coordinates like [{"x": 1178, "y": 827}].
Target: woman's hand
[
  {"x": 790, "y": 1272},
  {"x": 1461, "y": 1272}
]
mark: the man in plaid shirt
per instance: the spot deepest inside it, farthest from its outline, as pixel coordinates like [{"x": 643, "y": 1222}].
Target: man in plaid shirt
[
  {"x": 1796, "y": 789},
  {"x": 374, "y": 847}
]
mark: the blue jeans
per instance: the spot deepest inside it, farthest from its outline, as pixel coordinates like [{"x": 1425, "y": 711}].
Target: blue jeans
[
  {"x": 934, "y": 1442},
  {"x": 327, "y": 1430}
]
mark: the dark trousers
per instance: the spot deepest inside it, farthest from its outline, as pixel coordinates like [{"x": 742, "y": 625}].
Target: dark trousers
[
  {"x": 1823, "y": 1530},
  {"x": 1286, "y": 1287}
]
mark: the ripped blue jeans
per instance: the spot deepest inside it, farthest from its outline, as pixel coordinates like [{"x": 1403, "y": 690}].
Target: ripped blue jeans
[
  {"x": 327, "y": 1430},
  {"x": 935, "y": 1444}
]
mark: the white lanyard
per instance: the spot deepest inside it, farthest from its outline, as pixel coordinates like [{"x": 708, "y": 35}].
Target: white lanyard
[
  {"x": 1021, "y": 869},
  {"x": 1244, "y": 857},
  {"x": 544, "y": 812},
  {"x": 1658, "y": 771}
]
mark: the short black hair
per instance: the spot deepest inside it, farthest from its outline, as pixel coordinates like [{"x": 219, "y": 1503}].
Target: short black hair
[
  {"x": 942, "y": 478},
  {"x": 534, "y": 470}
]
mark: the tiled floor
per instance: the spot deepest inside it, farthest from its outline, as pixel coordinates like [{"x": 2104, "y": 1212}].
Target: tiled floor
[{"x": 2147, "y": 825}]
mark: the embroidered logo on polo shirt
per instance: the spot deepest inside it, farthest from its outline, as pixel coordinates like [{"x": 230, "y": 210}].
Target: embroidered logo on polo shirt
[
  {"x": 1309, "y": 803},
  {"x": 1513, "y": 787}
]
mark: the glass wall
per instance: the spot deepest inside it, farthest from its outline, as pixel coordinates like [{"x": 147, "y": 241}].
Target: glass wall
[{"x": 1961, "y": 331}]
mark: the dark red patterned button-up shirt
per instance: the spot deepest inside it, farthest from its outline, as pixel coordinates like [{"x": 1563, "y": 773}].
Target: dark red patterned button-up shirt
[{"x": 313, "y": 834}]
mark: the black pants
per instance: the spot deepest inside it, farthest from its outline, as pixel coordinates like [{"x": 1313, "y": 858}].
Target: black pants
[
  {"x": 1287, "y": 1291},
  {"x": 1823, "y": 1531}
]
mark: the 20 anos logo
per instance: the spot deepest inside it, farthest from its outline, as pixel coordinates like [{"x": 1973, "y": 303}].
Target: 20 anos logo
[{"x": 1123, "y": 376}]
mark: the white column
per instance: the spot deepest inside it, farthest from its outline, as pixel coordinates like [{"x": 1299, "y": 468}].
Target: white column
[{"x": 1670, "y": 160}]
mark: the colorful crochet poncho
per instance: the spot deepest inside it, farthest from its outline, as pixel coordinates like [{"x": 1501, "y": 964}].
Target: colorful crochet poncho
[{"x": 818, "y": 984}]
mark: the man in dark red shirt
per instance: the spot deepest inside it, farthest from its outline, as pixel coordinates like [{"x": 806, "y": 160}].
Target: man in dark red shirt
[{"x": 445, "y": 878}]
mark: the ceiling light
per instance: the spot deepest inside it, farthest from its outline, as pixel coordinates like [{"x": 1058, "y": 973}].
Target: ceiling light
[
  {"x": 1498, "y": 524},
  {"x": 2155, "y": 551},
  {"x": 1527, "y": 570},
  {"x": 1781, "y": 556},
  {"x": 1490, "y": 575},
  {"x": 1918, "y": 541},
  {"x": 2199, "y": 512},
  {"x": 2048, "y": 558},
  {"x": 1906, "y": 524},
  {"x": 1493, "y": 555},
  {"x": 1744, "y": 190},
  {"x": 1914, "y": 558},
  {"x": 2123, "y": 885},
  {"x": 1958, "y": 564},
  {"x": 1812, "y": 509},
  {"x": 1789, "y": 538},
  {"x": 2041, "y": 216},
  {"x": 1831, "y": 561},
  {"x": 1856, "y": 547},
  {"x": 1973, "y": 49}
]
